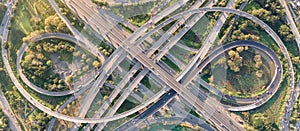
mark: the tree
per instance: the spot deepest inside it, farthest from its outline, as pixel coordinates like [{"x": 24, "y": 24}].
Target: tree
[
  {"x": 285, "y": 31},
  {"x": 96, "y": 64},
  {"x": 240, "y": 49},
  {"x": 5, "y": 45},
  {"x": 262, "y": 14},
  {"x": 105, "y": 97},
  {"x": 49, "y": 63},
  {"x": 69, "y": 79},
  {"x": 235, "y": 60}
]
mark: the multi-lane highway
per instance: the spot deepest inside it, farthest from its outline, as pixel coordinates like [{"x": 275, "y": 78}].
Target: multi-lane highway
[
  {"x": 116, "y": 37},
  {"x": 200, "y": 65},
  {"x": 268, "y": 29},
  {"x": 176, "y": 38},
  {"x": 87, "y": 45},
  {"x": 154, "y": 19},
  {"x": 128, "y": 46},
  {"x": 151, "y": 51},
  {"x": 294, "y": 94},
  {"x": 95, "y": 120}
]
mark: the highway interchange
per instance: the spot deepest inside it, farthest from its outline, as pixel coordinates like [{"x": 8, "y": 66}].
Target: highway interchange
[{"x": 128, "y": 48}]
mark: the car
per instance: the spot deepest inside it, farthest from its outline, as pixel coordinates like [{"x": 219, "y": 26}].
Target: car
[
  {"x": 152, "y": 68},
  {"x": 222, "y": 125}
]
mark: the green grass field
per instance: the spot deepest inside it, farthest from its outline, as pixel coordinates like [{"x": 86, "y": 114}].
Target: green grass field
[
  {"x": 181, "y": 54},
  {"x": 194, "y": 37},
  {"x": 2, "y": 11},
  {"x": 244, "y": 83},
  {"x": 150, "y": 84},
  {"x": 137, "y": 14},
  {"x": 22, "y": 24},
  {"x": 171, "y": 64}
]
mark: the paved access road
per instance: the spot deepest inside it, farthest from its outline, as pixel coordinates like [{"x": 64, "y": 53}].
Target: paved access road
[
  {"x": 13, "y": 123},
  {"x": 285, "y": 123}
]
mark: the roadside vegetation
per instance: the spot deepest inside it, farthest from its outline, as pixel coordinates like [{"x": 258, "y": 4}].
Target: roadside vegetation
[
  {"x": 101, "y": 3},
  {"x": 198, "y": 33},
  {"x": 181, "y": 127},
  {"x": 295, "y": 119},
  {"x": 71, "y": 17},
  {"x": 181, "y": 54},
  {"x": 171, "y": 64},
  {"x": 2, "y": 10},
  {"x": 3, "y": 120},
  {"x": 267, "y": 116},
  {"x": 137, "y": 14}
]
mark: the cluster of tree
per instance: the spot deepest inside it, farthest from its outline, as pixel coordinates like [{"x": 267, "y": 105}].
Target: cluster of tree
[
  {"x": 71, "y": 108},
  {"x": 267, "y": 16},
  {"x": 258, "y": 63},
  {"x": 294, "y": 119},
  {"x": 15, "y": 100},
  {"x": 273, "y": 14},
  {"x": 33, "y": 35},
  {"x": 5, "y": 45},
  {"x": 106, "y": 51},
  {"x": 100, "y": 3},
  {"x": 3, "y": 121},
  {"x": 245, "y": 31},
  {"x": 52, "y": 23},
  {"x": 55, "y": 47},
  {"x": 71, "y": 17},
  {"x": 86, "y": 59},
  {"x": 264, "y": 15},
  {"x": 222, "y": 3},
  {"x": 238, "y": 3},
  {"x": 260, "y": 122},
  {"x": 139, "y": 20},
  {"x": 182, "y": 128},
  {"x": 235, "y": 60},
  {"x": 38, "y": 120},
  {"x": 296, "y": 60},
  {"x": 55, "y": 24},
  {"x": 86, "y": 63},
  {"x": 270, "y": 12},
  {"x": 39, "y": 69},
  {"x": 286, "y": 32}
]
